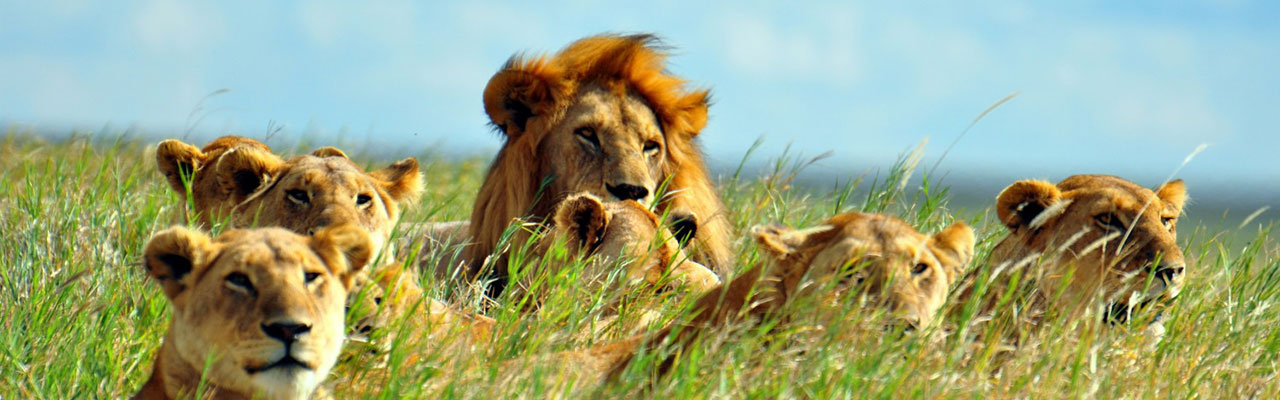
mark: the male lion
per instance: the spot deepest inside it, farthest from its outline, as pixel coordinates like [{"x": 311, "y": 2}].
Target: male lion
[
  {"x": 604, "y": 117},
  {"x": 256, "y": 313},
  {"x": 1089, "y": 240},
  {"x": 872, "y": 257}
]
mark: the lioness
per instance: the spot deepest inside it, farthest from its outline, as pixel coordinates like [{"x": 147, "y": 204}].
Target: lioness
[
  {"x": 259, "y": 311},
  {"x": 242, "y": 181},
  {"x": 602, "y": 116},
  {"x": 222, "y": 174},
  {"x": 625, "y": 232},
  {"x": 617, "y": 248},
  {"x": 312, "y": 191},
  {"x": 1114, "y": 242},
  {"x": 305, "y": 194},
  {"x": 873, "y": 257}
]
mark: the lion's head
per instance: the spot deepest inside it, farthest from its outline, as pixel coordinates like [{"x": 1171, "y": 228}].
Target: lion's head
[
  {"x": 324, "y": 188},
  {"x": 625, "y": 233},
  {"x": 870, "y": 257},
  {"x": 1113, "y": 238},
  {"x": 260, "y": 310},
  {"x": 603, "y": 117},
  {"x": 222, "y": 174},
  {"x": 877, "y": 260},
  {"x": 241, "y": 180}
]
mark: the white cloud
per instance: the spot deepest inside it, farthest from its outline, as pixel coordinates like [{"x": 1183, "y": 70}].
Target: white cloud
[
  {"x": 1141, "y": 81},
  {"x": 938, "y": 60},
  {"x": 169, "y": 25},
  {"x": 61, "y": 93},
  {"x": 1184, "y": 117},
  {"x": 321, "y": 21},
  {"x": 823, "y": 49},
  {"x": 381, "y": 23}
]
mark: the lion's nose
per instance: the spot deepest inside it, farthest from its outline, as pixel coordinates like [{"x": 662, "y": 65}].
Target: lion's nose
[
  {"x": 627, "y": 191},
  {"x": 286, "y": 331},
  {"x": 1168, "y": 272}
]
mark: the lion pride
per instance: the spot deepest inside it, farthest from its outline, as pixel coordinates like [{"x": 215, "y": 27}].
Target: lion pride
[
  {"x": 1090, "y": 241},
  {"x": 306, "y": 194},
  {"x": 256, "y": 313},
  {"x": 601, "y": 116}
]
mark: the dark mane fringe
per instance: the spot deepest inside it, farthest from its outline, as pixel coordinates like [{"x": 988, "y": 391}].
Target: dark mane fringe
[{"x": 623, "y": 64}]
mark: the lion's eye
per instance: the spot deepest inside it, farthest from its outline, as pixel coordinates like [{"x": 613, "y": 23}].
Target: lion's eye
[
  {"x": 363, "y": 200},
  {"x": 651, "y": 146},
  {"x": 587, "y": 135},
  {"x": 297, "y": 196},
  {"x": 919, "y": 269},
  {"x": 311, "y": 276},
  {"x": 239, "y": 281},
  {"x": 1109, "y": 221},
  {"x": 1167, "y": 222}
]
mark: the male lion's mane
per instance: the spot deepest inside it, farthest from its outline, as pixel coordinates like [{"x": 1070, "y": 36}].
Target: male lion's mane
[{"x": 620, "y": 64}]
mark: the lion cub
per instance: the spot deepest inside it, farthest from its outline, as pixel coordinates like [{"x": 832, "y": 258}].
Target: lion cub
[{"x": 259, "y": 311}]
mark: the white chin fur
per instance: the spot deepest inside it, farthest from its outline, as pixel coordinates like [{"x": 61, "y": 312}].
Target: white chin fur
[{"x": 291, "y": 383}]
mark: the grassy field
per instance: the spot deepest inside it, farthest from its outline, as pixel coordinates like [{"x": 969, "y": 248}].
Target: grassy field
[{"x": 80, "y": 320}]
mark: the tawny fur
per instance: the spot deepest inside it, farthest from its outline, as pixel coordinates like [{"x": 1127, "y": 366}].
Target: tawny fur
[
  {"x": 619, "y": 248},
  {"x": 618, "y": 232},
  {"x": 1103, "y": 232},
  {"x": 325, "y": 188},
  {"x": 799, "y": 263},
  {"x": 222, "y": 174},
  {"x": 618, "y": 86},
  {"x": 220, "y": 323}
]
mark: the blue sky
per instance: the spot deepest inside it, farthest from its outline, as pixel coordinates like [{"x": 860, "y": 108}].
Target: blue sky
[{"x": 1127, "y": 89}]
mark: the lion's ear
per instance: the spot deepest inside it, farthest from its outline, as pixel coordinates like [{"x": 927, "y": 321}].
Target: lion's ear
[
  {"x": 1173, "y": 192},
  {"x": 584, "y": 218},
  {"x": 401, "y": 180},
  {"x": 1020, "y": 203},
  {"x": 954, "y": 249},
  {"x": 329, "y": 152},
  {"x": 173, "y": 254},
  {"x": 346, "y": 249},
  {"x": 178, "y": 160},
  {"x": 781, "y": 240},
  {"x": 521, "y": 91},
  {"x": 242, "y": 170}
]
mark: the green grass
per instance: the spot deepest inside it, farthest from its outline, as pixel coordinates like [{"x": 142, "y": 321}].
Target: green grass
[{"x": 80, "y": 320}]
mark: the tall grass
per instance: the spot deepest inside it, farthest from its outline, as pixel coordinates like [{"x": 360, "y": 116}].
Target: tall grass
[{"x": 80, "y": 320}]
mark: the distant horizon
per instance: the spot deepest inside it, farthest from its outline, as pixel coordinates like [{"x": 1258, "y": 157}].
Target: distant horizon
[{"x": 970, "y": 187}]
